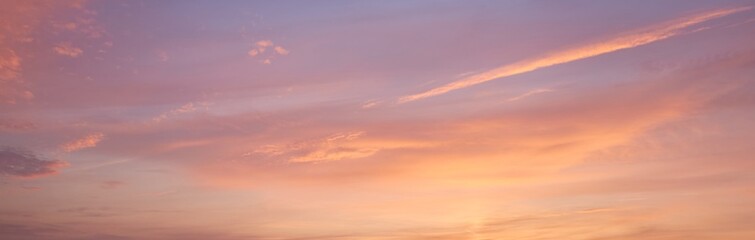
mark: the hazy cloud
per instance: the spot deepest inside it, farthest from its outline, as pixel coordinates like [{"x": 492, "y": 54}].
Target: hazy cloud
[
  {"x": 67, "y": 49},
  {"x": 529, "y": 93},
  {"x": 19, "y": 231},
  {"x": 163, "y": 55},
  {"x": 11, "y": 85},
  {"x": 112, "y": 184},
  {"x": 10, "y": 64},
  {"x": 21, "y": 163},
  {"x": 10, "y": 124}
]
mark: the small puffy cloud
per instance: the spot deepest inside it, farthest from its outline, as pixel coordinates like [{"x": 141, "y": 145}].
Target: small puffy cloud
[
  {"x": 253, "y": 52},
  {"x": 260, "y": 48},
  {"x": 90, "y": 140},
  {"x": 21, "y": 163},
  {"x": 264, "y": 43},
  {"x": 67, "y": 49},
  {"x": 280, "y": 50}
]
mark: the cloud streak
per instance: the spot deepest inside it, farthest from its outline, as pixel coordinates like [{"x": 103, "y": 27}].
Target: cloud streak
[
  {"x": 529, "y": 93},
  {"x": 342, "y": 146},
  {"x": 624, "y": 41},
  {"x": 90, "y": 140}
]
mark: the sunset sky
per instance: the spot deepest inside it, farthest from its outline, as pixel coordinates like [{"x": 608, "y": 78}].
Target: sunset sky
[{"x": 377, "y": 120}]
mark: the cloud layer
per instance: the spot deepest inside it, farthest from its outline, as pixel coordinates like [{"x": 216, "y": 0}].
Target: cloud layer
[{"x": 176, "y": 127}]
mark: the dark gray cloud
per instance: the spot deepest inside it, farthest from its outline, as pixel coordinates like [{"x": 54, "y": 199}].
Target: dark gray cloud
[
  {"x": 19, "y": 231},
  {"x": 15, "y": 125},
  {"x": 22, "y": 163},
  {"x": 31, "y": 231}
]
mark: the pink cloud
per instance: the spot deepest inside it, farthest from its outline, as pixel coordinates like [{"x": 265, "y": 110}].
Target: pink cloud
[
  {"x": 88, "y": 141},
  {"x": 280, "y": 50},
  {"x": 264, "y": 44},
  {"x": 10, "y": 64},
  {"x": 66, "y": 49},
  {"x": 253, "y": 52}
]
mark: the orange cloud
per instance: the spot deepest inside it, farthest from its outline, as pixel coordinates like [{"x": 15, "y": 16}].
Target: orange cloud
[
  {"x": 625, "y": 41},
  {"x": 88, "y": 141}
]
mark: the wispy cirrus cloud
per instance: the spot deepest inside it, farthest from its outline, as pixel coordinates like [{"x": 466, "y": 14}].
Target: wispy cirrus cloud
[
  {"x": 184, "y": 109},
  {"x": 624, "y": 41},
  {"x": 529, "y": 93},
  {"x": 336, "y": 147}
]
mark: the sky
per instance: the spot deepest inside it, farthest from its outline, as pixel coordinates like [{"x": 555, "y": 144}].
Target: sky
[{"x": 377, "y": 120}]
